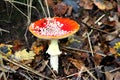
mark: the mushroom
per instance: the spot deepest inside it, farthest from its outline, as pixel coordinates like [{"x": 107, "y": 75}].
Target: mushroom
[{"x": 54, "y": 29}]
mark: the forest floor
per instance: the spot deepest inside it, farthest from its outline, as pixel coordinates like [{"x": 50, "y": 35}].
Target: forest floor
[{"x": 92, "y": 53}]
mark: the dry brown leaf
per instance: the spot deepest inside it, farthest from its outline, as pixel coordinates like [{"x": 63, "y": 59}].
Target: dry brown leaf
[
  {"x": 111, "y": 21},
  {"x": 117, "y": 76},
  {"x": 117, "y": 26},
  {"x": 112, "y": 50},
  {"x": 91, "y": 21},
  {"x": 118, "y": 8},
  {"x": 109, "y": 37},
  {"x": 37, "y": 47},
  {"x": 70, "y": 8},
  {"x": 109, "y": 76},
  {"x": 109, "y": 5},
  {"x": 98, "y": 59},
  {"x": 17, "y": 45},
  {"x": 85, "y": 19},
  {"x": 50, "y": 2},
  {"x": 103, "y": 5},
  {"x": 70, "y": 71},
  {"x": 86, "y": 4},
  {"x": 60, "y": 9},
  {"x": 100, "y": 4},
  {"x": 77, "y": 63},
  {"x": 118, "y": 5}
]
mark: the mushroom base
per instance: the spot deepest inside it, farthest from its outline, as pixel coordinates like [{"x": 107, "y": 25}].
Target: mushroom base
[{"x": 54, "y": 63}]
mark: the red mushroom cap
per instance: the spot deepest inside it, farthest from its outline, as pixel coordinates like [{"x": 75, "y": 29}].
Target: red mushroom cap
[{"x": 54, "y": 28}]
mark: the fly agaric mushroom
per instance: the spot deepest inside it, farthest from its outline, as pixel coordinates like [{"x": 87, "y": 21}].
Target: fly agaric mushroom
[{"x": 54, "y": 29}]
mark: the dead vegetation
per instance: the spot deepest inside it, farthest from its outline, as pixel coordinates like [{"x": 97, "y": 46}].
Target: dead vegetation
[{"x": 93, "y": 53}]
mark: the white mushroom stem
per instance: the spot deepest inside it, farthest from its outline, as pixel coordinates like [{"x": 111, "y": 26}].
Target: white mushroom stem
[{"x": 54, "y": 51}]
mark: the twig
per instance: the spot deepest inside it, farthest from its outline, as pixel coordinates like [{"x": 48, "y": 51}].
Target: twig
[
  {"x": 97, "y": 29},
  {"x": 51, "y": 70},
  {"x": 4, "y": 76},
  {"x": 92, "y": 28},
  {"x": 28, "y": 18},
  {"x": 13, "y": 1},
  {"x": 68, "y": 68},
  {"x": 80, "y": 72},
  {"x": 4, "y": 30},
  {"x": 97, "y": 22},
  {"x": 27, "y": 77},
  {"x": 30, "y": 75},
  {"x": 90, "y": 43},
  {"x": 23, "y": 66},
  {"x": 70, "y": 75},
  {"x": 75, "y": 49},
  {"x": 2, "y": 65},
  {"x": 42, "y": 8},
  {"x": 99, "y": 18},
  {"x": 115, "y": 69},
  {"x": 102, "y": 31},
  {"x": 1, "y": 74},
  {"x": 18, "y": 9},
  {"x": 3, "y": 69},
  {"x": 83, "y": 69},
  {"x": 90, "y": 73},
  {"x": 8, "y": 68},
  {"x": 6, "y": 21},
  {"x": 46, "y": 1}
]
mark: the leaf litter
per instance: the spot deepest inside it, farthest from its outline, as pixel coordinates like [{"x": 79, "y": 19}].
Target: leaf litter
[{"x": 93, "y": 53}]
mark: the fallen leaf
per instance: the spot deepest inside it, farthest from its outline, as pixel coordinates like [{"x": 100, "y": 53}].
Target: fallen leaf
[
  {"x": 109, "y": 37},
  {"x": 109, "y": 76},
  {"x": 117, "y": 76},
  {"x": 112, "y": 50},
  {"x": 69, "y": 11},
  {"x": 100, "y": 4},
  {"x": 103, "y": 5},
  {"x": 98, "y": 59},
  {"x": 6, "y": 49},
  {"x": 24, "y": 55},
  {"x": 118, "y": 8},
  {"x": 60, "y": 9},
  {"x": 49, "y": 2},
  {"x": 17, "y": 45},
  {"x": 86, "y": 4},
  {"x": 77, "y": 63},
  {"x": 37, "y": 47},
  {"x": 110, "y": 21},
  {"x": 109, "y": 5}
]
